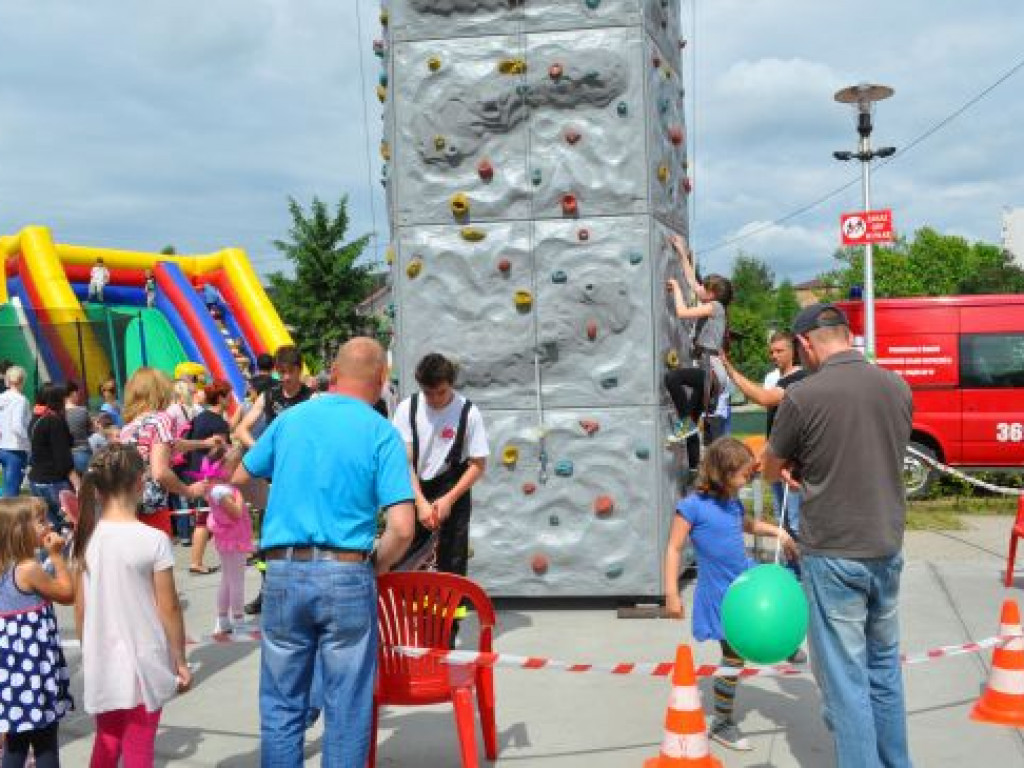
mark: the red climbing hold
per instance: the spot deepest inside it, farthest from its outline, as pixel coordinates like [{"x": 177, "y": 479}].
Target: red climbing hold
[
  {"x": 604, "y": 506},
  {"x": 569, "y": 205},
  {"x": 589, "y": 426},
  {"x": 539, "y": 564},
  {"x": 485, "y": 169},
  {"x": 555, "y": 71},
  {"x": 529, "y": 489},
  {"x": 583, "y": 235},
  {"x": 572, "y": 136},
  {"x": 592, "y": 329},
  {"x": 504, "y": 266},
  {"x": 656, "y": 61},
  {"x": 675, "y": 133},
  {"x": 687, "y": 185}
]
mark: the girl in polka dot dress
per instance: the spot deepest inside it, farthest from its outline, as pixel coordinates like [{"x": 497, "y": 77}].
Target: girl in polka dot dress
[{"x": 34, "y": 693}]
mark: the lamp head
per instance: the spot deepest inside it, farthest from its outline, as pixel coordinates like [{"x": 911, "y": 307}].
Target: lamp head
[{"x": 843, "y": 156}]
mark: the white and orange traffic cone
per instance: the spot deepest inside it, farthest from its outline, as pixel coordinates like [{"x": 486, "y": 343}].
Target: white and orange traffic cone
[
  {"x": 1002, "y": 702},
  {"x": 685, "y": 744}
]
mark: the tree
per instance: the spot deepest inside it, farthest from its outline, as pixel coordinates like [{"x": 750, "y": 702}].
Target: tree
[
  {"x": 752, "y": 314},
  {"x": 786, "y": 304},
  {"x": 168, "y": 250},
  {"x": 320, "y": 301}
]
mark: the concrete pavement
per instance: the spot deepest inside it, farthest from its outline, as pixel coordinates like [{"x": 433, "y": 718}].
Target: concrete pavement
[{"x": 952, "y": 593}]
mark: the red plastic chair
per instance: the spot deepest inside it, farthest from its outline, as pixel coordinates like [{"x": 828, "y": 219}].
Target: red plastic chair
[
  {"x": 1016, "y": 533},
  {"x": 417, "y": 609}
]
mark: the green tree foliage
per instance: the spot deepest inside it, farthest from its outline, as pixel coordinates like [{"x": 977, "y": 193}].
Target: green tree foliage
[
  {"x": 786, "y": 304},
  {"x": 320, "y": 301},
  {"x": 753, "y": 313},
  {"x": 931, "y": 264}
]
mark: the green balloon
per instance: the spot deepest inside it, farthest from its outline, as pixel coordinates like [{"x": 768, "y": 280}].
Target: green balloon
[{"x": 764, "y": 614}]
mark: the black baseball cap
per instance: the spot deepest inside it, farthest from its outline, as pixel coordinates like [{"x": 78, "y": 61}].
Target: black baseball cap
[{"x": 811, "y": 318}]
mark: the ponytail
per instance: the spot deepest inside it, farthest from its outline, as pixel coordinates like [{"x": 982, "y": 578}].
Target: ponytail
[{"x": 115, "y": 470}]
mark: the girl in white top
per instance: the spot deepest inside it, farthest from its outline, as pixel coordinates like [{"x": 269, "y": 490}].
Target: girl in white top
[
  {"x": 15, "y": 414},
  {"x": 126, "y": 610}
]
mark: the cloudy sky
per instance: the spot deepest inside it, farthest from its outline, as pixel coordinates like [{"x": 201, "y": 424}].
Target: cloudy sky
[{"x": 138, "y": 124}]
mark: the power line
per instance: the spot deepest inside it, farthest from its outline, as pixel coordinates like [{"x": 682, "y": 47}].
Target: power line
[{"x": 855, "y": 180}]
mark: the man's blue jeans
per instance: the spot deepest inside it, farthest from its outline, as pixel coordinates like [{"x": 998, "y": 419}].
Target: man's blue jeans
[
  {"x": 854, "y": 635},
  {"x": 13, "y": 464},
  {"x": 50, "y": 493},
  {"x": 316, "y": 608}
]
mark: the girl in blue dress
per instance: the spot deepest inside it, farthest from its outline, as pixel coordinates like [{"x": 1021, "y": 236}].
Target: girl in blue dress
[
  {"x": 712, "y": 518},
  {"x": 34, "y": 677}
]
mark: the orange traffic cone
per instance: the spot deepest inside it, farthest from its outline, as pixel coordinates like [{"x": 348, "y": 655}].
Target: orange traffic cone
[
  {"x": 1002, "y": 702},
  {"x": 685, "y": 744}
]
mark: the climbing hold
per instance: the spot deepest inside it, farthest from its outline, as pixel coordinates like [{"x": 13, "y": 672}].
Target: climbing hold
[
  {"x": 439, "y": 142},
  {"x": 389, "y": 255},
  {"x": 572, "y": 136},
  {"x": 555, "y": 71},
  {"x": 664, "y": 104},
  {"x": 524, "y": 300},
  {"x": 569, "y": 205},
  {"x": 663, "y": 173},
  {"x": 414, "y": 267},
  {"x": 536, "y": 176},
  {"x": 385, "y": 17},
  {"x": 529, "y": 488},
  {"x": 510, "y": 456},
  {"x": 563, "y": 468},
  {"x": 558, "y": 277},
  {"x": 622, "y": 109},
  {"x": 460, "y": 205},
  {"x": 504, "y": 266},
  {"x": 539, "y": 564},
  {"x": 592, "y": 330},
  {"x": 472, "y": 234},
  {"x": 522, "y": 89},
  {"x": 604, "y": 506},
  {"x": 382, "y": 78},
  {"x": 382, "y": 93},
  {"x": 609, "y": 382},
  {"x": 635, "y": 257},
  {"x": 592, "y": 4},
  {"x": 614, "y": 571},
  {"x": 655, "y": 61},
  {"x": 390, "y": 311},
  {"x": 553, "y": 521},
  {"x": 512, "y": 66},
  {"x": 583, "y": 235},
  {"x": 385, "y": 150},
  {"x": 642, "y": 453},
  {"x": 672, "y": 359},
  {"x": 667, "y": 73},
  {"x": 378, "y": 48},
  {"x": 485, "y": 169},
  {"x": 589, "y": 426},
  {"x": 687, "y": 185},
  {"x": 675, "y": 135},
  {"x": 434, "y": 63}
]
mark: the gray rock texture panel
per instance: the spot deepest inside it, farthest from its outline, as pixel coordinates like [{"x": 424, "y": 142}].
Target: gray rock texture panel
[
  {"x": 661, "y": 19},
  {"x": 671, "y": 334},
  {"x": 578, "y": 14},
  {"x": 462, "y": 305},
  {"x": 519, "y": 519},
  {"x": 596, "y": 325},
  {"x": 580, "y": 144},
  {"x": 667, "y": 172}
]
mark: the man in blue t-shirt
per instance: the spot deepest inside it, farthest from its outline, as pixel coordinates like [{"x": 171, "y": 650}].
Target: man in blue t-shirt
[{"x": 335, "y": 463}]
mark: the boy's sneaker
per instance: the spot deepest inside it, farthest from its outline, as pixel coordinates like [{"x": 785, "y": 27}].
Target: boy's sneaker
[
  {"x": 727, "y": 733},
  {"x": 680, "y": 431}
]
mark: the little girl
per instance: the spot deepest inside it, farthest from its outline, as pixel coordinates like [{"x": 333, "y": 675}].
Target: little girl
[
  {"x": 127, "y": 612},
  {"x": 33, "y": 674},
  {"x": 231, "y": 527},
  {"x": 712, "y": 516}
]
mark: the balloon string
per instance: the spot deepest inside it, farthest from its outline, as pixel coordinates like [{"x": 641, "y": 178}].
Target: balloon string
[{"x": 782, "y": 520}]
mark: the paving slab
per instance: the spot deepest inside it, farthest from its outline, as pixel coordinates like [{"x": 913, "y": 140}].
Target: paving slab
[{"x": 952, "y": 592}]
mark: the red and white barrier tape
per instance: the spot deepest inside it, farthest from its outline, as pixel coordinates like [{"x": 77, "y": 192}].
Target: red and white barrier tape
[
  {"x": 644, "y": 669},
  {"x": 966, "y": 478}
]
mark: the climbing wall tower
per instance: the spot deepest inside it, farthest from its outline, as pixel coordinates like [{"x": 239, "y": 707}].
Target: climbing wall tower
[{"x": 535, "y": 166}]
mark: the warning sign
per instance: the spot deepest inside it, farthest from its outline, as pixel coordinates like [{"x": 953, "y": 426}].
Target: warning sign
[{"x": 866, "y": 227}]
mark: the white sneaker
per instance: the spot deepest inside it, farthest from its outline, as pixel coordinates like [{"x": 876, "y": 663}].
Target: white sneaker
[{"x": 223, "y": 626}]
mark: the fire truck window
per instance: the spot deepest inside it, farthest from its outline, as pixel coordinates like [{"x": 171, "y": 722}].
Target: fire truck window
[{"x": 992, "y": 360}]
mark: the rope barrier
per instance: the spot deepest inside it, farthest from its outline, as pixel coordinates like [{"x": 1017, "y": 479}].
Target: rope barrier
[{"x": 966, "y": 478}]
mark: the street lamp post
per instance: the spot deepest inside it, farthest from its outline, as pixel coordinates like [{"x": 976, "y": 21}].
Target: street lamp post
[{"x": 863, "y": 97}]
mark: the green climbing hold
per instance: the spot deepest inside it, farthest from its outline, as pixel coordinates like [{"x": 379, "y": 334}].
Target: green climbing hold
[
  {"x": 609, "y": 382},
  {"x": 623, "y": 109},
  {"x": 383, "y": 79},
  {"x": 536, "y": 177},
  {"x": 664, "y": 104},
  {"x": 614, "y": 571},
  {"x": 643, "y": 453},
  {"x": 592, "y": 4},
  {"x": 553, "y": 521},
  {"x": 635, "y": 257},
  {"x": 559, "y": 277},
  {"x": 564, "y": 468}
]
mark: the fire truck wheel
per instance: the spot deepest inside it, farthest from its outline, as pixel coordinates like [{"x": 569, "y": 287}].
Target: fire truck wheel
[{"x": 918, "y": 475}]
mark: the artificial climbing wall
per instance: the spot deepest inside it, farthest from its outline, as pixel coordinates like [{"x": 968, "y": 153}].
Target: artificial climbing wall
[{"x": 535, "y": 163}]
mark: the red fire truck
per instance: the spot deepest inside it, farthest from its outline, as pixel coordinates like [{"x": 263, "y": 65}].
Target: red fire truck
[{"x": 963, "y": 356}]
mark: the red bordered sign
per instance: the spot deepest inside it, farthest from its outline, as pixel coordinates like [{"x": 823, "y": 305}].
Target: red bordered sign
[{"x": 866, "y": 227}]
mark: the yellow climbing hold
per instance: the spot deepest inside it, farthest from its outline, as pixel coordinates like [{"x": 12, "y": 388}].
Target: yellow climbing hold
[
  {"x": 389, "y": 255},
  {"x": 460, "y": 205},
  {"x": 439, "y": 142},
  {"x": 413, "y": 268},
  {"x": 472, "y": 234},
  {"x": 509, "y": 456},
  {"x": 663, "y": 173},
  {"x": 672, "y": 359},
  {"x": 512, "y": 66},
  {"x": 382, "y": 93},
  {"x": 385, "y": 17},
  {"x": 434, "y": 63},
  {"x": 524, "y": 300},
  {"x": 385, "y": 151}
]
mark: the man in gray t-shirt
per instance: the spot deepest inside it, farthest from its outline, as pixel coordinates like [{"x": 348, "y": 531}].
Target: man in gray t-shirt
[{"x": 840, "y": 436}]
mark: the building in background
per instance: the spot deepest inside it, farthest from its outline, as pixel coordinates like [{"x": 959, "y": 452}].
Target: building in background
[{"x": 1013, "y": 234}]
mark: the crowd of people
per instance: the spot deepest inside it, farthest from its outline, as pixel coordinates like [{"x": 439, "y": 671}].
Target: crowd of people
[{"x": 315, "y": 463}]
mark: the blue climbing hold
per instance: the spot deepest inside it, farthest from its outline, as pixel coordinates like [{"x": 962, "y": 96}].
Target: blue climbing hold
[
  {"x": 592, "y": 4},
  {"x": 623, "y": 109},
  {"x": 635, "y": 257},
  {"x": 536, "y": 176},
  {"x": 609, "y": 382},
  {"x": 643, "y": 453},
  {"x": 564, "y": 468},
  {"x": 559, "y": 277},
  {"x": 553, "y": 521},
  {"x": 614, "y": 571}
]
